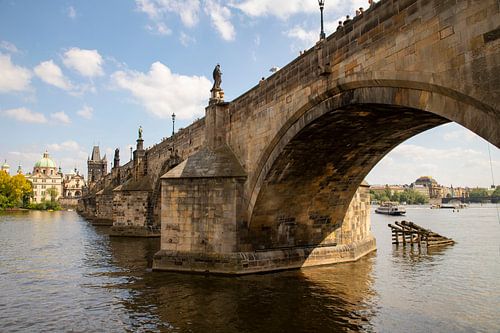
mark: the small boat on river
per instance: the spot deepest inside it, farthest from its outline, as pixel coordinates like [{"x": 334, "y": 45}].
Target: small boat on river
[{"x": 390, "y": 208}]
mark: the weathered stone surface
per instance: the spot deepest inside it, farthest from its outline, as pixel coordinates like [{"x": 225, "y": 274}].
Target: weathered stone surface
[
  {"x": 201, "y": 203},
  {"x": 208, "y": 163},
  {"x": 134, "y": 231},
  {"x": 240, "y": 263}
]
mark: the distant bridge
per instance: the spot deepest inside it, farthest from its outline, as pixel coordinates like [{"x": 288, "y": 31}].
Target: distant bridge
[{"x": 471, "y": 199}]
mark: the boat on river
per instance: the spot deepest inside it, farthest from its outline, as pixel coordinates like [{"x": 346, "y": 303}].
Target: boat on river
[{"x": 390, "y": 208}]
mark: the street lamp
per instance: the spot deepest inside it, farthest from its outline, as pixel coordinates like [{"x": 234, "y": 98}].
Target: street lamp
[
  {"x": 173, "y": 124},
  {"x": 321, "y": 6}
]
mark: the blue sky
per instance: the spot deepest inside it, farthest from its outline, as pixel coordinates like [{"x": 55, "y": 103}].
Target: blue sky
[{"x": 74, "y": 74}]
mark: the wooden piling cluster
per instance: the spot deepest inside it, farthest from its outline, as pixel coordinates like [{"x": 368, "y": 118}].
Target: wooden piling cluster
[{"x": 405, "y": 232}]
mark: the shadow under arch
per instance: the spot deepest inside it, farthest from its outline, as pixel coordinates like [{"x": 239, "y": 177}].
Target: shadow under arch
[{"x": 318, "y": 159}]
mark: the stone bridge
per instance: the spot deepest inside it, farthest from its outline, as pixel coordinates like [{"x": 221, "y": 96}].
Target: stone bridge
[{"x": 273, "y": 182}]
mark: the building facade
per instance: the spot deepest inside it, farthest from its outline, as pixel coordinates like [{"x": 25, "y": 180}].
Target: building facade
[
  {"x": 73, "y": 184},
  {"x": 47, "y": 180}
]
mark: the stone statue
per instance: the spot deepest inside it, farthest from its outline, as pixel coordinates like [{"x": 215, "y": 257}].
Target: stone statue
[
  {"x": 117, "y": 154},
  {"x": 217, "y": 78},
  {"x": 140, "y": 132}
]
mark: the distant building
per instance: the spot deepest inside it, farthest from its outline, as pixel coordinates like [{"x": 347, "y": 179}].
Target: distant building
[
  {"x": 457, "y": 192},
  {"x": 429, "y": 187},
  {"x": 5, "y": 167},
  {"x": 73, "y": 184},
  {"x": 97, "y": 167},
  {"x": 392, "y": 188},
  {"x": 422, "y": 189},
  {"x": 47, "y": 180}
]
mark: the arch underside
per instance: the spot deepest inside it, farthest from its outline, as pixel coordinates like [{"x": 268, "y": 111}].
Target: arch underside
[{"x": 306, "y": 192}]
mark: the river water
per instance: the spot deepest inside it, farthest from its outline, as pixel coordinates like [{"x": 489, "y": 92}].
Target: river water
[{"x": 58, "y": 273}]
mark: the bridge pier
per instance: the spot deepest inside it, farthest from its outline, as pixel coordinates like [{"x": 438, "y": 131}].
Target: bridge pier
[{"x": 203, "y": 227}]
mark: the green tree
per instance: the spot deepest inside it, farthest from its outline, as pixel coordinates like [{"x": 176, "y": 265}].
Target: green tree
[
  {"x": 21, "y": 190},
  {"x": 378, "y": 196},
  {"x": 14, "y": 191},
  {"x": 478, "y": 192},
  {"x": 52, "y": 192},
  {"x": 409, "y": 196},
  {"x": 495, "y": 196},
  {"x": 496, "y": 192}
]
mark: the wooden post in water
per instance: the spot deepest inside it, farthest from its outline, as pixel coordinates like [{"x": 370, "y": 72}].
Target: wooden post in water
[{"x": 415, "y": 234}]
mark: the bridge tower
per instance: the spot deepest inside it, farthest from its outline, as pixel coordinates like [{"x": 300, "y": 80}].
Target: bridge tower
[{"x": 97, "y": 167}]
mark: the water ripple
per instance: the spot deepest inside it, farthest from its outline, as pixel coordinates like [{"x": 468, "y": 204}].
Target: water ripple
[{"x": 60, "y": 274}]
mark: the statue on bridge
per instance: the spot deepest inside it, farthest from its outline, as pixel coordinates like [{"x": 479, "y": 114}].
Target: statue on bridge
[
  {"x": 140, "y": 132},
  {"x": 217, "y": 74},
  {"x": 116, "y": 160},
  {"x": 217, "y": 92}
]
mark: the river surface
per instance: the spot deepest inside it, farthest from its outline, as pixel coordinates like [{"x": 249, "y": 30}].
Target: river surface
[{"x": 58, "y": 273}]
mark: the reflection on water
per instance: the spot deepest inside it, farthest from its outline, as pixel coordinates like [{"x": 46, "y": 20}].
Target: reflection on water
[{"x": 59, "y": 273}]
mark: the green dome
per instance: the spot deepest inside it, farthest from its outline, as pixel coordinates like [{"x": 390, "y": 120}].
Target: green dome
[{"x": 45, "y": 162}]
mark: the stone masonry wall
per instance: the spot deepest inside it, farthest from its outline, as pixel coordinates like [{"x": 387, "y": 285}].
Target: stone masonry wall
[
  {"x": 357, "y": 225},
  {"x": 200, "y": 215},
  {"x": 104, "y": 207},
  {"x": 130, "y": 208},
  {"x": 186, "y": 141}
]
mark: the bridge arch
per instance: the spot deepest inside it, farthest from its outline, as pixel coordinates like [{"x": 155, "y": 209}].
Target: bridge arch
[{"x": 304, "y": 174}]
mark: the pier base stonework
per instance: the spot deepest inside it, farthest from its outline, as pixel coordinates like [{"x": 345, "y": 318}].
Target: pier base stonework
[
  {"x": 202, "y": 225},
  {"x": 240, "y": 263}
]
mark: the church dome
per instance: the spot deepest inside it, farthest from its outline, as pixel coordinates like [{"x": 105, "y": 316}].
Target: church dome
[
  {"x": 45, "y": 162},
  {"x": 5, "y": 166},
  {"x": 424, "y": 180}
]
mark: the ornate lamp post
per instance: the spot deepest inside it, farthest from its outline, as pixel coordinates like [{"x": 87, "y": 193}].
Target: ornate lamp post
[
  {"x": 173, "y": 124},
  {"x": 321, "y": 6}
]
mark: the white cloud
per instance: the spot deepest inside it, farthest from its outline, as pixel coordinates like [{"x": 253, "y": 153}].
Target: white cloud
[
  {"x": 457, "y": 166},
  {"x": 69, "y": 145},
  {"x": 60, "y": 117},
  {"x": 308, "y": 37},
  {"x": 86, "y": 62},
  {"x": 86, "y": 112},
  {"x": 162, "y": 29},
  {"x": 148, "y": 7},
  {"x": 50, "y": 73},
  {"x": 281, "y": 9},
  {"x": 8, "y": 46},
  {"x": 24, "y": 115},
  {"x": 463, "y": 134},
  {"x": 220, "y": 17},
  {"x": 186, "y": 40},
  {"x": 163, "y": 92},
  {"x": 25, "y": 159},
  {"x": 71, "y": 12},
  {"x": 159, "y": 28},
  {"x": 13, "y": 78},
  {"x": 188, "y": 11}
]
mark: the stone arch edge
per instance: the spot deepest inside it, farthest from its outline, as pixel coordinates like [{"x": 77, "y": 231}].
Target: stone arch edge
[{"x": 441, "y": 101}]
